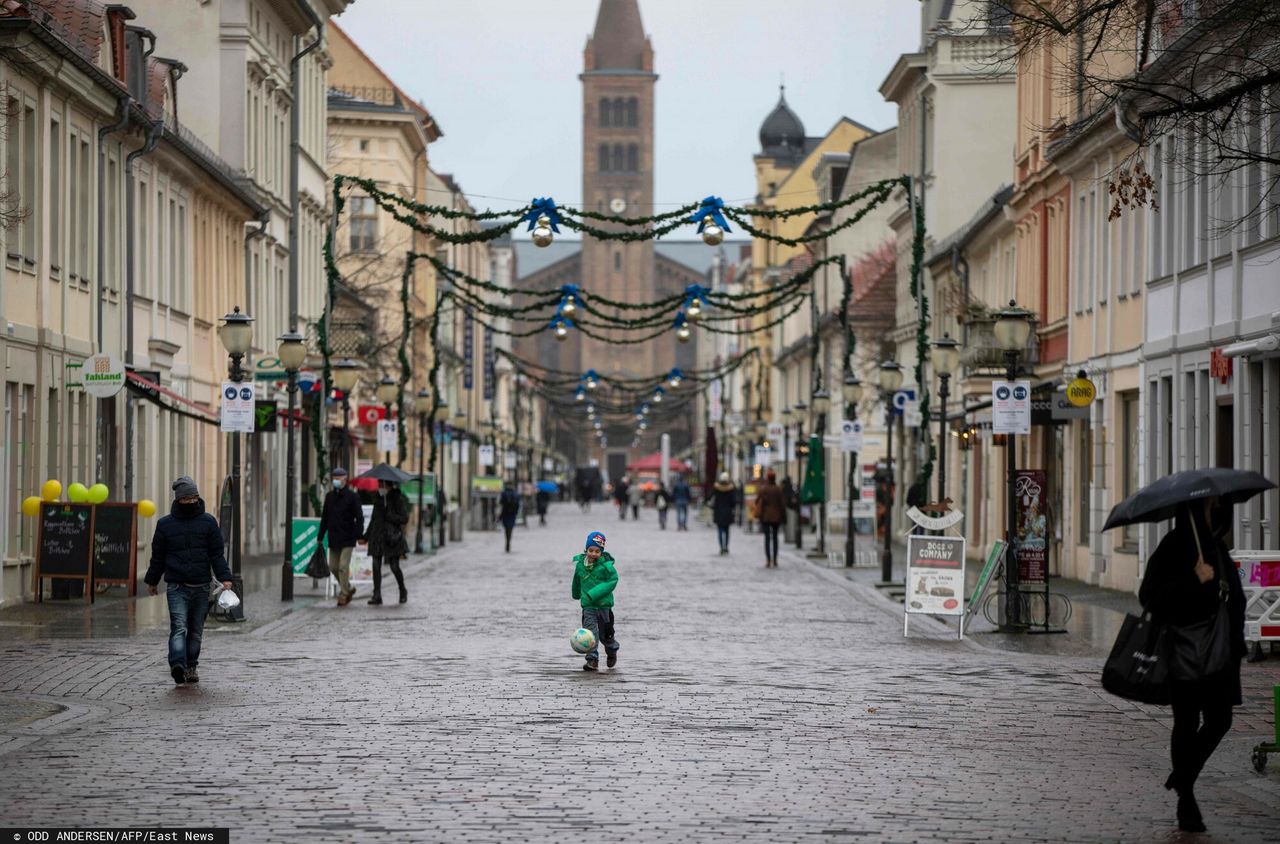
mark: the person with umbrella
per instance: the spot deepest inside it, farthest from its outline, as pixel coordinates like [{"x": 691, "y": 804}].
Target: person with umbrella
[
  {"x": 542, "y": 498},
  {"x": 385, "y": 531},
  {"x": 1191, "y": 586}
]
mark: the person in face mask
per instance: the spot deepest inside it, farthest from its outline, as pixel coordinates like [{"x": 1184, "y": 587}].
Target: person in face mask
[
  {"x": 343, "y": 521},
  {"x": 385, "y": 536},
  {"x": 187, "y": 551}
]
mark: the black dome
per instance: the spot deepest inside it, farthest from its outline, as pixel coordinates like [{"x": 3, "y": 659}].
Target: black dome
[{"x": 782, "y": 133}]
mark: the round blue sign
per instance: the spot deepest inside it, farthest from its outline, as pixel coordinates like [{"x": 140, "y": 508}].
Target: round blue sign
[
  {"x": 1019, "y": 393},
  {"x": 1002, "y": 393},
  {"x": 230, "y": 392},
  {"x": 246, "y": 393}
]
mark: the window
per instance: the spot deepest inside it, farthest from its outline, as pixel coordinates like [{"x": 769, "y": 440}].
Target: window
[
  {"x": 619, "y": 159},
  {"x": 84, "y": 189},
  {"x": 364, "y": 224},
  {"x": 617, "y": 260},
  {"x": 20, "y": 186},
  {"x": 1157, "y": 239},
  {"x": 633, "y": 112},
  {"x": 606, "y": 113},
  {"x": 603, "y": 164},
  {"x": 633, "y": 158},
  {"x": 1129, "y": 459},
  {"x": 144, "y": 238},
  {"x": 364, "y": 145},
  {"x": 55, "y": 197}
]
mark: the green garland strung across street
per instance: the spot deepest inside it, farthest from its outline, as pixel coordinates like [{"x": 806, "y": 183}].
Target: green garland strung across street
[
  {"x": 405, "y": 277},
  {"x": 332, "y": 277},
  {"x": 562, "y": 378},
  {"x": 922, "y": 340}
]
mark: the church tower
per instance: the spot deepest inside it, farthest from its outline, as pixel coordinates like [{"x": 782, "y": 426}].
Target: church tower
[{"x": 617, "y": 175}]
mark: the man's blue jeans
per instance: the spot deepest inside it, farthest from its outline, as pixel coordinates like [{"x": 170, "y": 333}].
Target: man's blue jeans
[
  {"x": 188, "y": 606},
  {"x": 682, "y": 515}
]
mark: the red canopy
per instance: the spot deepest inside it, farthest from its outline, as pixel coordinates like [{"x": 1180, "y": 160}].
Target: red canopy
[{"x": 653, "y": 463}]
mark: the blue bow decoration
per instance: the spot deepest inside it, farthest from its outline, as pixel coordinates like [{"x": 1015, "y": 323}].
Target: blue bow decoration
[
  {"x": 680, "y": 320},
  {"x": 711, "y": 207},
  {"x": 696, "y": 291},
  {"x": 545, "y": 206},
  {"x": 560, "y": 320},
  {"x": 569, "y": 289}
]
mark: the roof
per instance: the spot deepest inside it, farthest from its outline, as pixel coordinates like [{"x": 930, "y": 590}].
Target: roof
[
  {"x": 960, "y": 238},
  {"x": 429, "y": 124},
  {"x": 619, "y": 41},
  {"x": 782, "y": 132}
]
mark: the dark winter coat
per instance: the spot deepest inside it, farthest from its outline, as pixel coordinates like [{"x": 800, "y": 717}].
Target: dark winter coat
[
  {"x": 1173, "y": 594},
  {"x": 342, "y": 518},
  {"x": 662, "y": 498},
  {"x": 509, "y": 502},
  {"x": 724, "y": 500},
  {"x": 385, "y": 533},
  {"x": 540, "y": 500},
  {"x": 681, "y": 493},
  {"x": 771, "y": 509},
  {"x": 187, "y": 548}
]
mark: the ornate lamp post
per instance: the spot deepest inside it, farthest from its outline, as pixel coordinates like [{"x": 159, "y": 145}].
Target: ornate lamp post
[
  {"x": 890, "y": 382},
  {"x": 421, "y": 406},
  {"x": 798, "y": 412},
  {"x": 346, "y": 373},
  {"x": 386, "y": 394},
  {"x": 460, "y": 423},
  {"x": 851, "y": 392},
  {"x": 786, "y": 452},
  {"x": 1012, "y": 329},
  {"x": 821, "y": 407},
  {"x": 441, "y": 498},
  {"x": 292, "y": 352},
  {"x": 236, "y": 334},
  {"x": 945, "y": 357}
]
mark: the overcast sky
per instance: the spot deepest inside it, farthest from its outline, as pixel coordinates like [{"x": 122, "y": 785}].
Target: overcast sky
[{"x": 501, "y": 78}]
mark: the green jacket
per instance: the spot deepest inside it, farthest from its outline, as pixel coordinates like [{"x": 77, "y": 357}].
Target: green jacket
[{"x": 594, "y": 586}]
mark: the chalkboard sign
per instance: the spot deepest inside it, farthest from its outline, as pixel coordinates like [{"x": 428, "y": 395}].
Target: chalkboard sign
[
  {"x": 115, "y": 545},
  {"x": 65, "y": 547}
]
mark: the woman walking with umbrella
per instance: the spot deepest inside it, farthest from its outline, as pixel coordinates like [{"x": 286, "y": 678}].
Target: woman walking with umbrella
[
  {"x": 1191, "y": 586},
  {"x": 385, "y": 532}
]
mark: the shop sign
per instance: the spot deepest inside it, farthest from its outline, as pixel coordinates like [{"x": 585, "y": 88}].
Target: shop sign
[
  {"x": 935, "y": 575},
  {"x": 102, "y": 376},
  {"x": 1219, "y": 366},
  {"x": 265, "y": 414},
  {"x": 1081, "y": 392},
  {"x": 369, "y": 414}
]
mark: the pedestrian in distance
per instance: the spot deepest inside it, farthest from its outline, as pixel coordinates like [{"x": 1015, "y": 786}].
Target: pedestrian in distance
[
  {"x": 541, "y": 499},
  {"x": 508, "y": 509},
  {"x": 662, "y": 500},
  {"x": 681, "y": 495},
  {"x": 724, "y": 501},
  {"x": 594, "y": 580},
  {"x": 1188, "y": 578},
  {"x": 620, "y": 496},
  {"x": 770, "y": 512},
  {"x": 187, "y": 551},
  {"x": 385, "y": 535},
  {"x": 342, "y": 519},
  {"x": 635, "y": 497}
]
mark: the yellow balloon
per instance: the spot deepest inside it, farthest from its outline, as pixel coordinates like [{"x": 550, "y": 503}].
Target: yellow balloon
[
  {"x": 98, "y": 493},
  {"x": 146, "y": 508},
  {"x": 51, "y": 491},
  {"x": 31, "y": 506},
  {"x": 77, "y": 493}
]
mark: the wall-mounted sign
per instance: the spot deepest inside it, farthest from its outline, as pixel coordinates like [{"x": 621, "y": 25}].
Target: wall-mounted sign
[
  {"x": 1081, "y": 392},
  {"x": 102, "y": 376},
  {"x": 369, "y": 414}
]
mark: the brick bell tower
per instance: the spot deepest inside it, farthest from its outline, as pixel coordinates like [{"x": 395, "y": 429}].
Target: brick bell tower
[{"x": 617, "y": 177}]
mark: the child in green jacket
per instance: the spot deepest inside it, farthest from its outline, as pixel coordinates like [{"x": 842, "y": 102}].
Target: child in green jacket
[{"x": 594, "y": 579}]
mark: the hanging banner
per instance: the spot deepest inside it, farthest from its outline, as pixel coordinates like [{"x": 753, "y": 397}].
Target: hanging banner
[
  {"x": 388, "y": 435},
  {"x": 1031, "y": 539},
  {"x": 1011, "y": 407},
  {"x": 490, "y": 379},
  {"x": 715, "y": 409},
  {"x": 850, "y": 436},
  {"x": 369, "y": 414},
  {"x": 468, "y": 350},
  {"x": 935, "y": 574},
  {"x": 237, "y": 408}
]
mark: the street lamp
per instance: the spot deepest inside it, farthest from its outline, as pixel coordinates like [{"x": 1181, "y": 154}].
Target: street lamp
[
  {"x": 346, "y": 373},
  {"x": 851, "y": 392},
  {"x": 1012, "y": 329},
  {"x": 421, "y": 406},
  {"x": 821, "y": 407},
  {"x": 292, "y": 352},
  {"x": 890, "y": 382},
  {"x": 236, "y": 334},
  {"x": 441, "y": 499},
  {"x": 945, "y": 357},
  {"x": 798, "y": 412},
  {"x": 460, "y": 422},
  {"x": 386, "y": 393}
]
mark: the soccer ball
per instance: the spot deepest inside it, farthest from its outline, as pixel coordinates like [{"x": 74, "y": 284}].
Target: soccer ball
[{"x": 582, "y": 640}]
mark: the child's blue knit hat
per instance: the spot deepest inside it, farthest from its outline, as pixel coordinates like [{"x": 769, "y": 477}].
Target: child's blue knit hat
[{"x": 595, "y": 538}]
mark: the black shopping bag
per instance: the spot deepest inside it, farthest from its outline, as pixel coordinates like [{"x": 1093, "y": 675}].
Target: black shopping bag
[
  {"x": 319, "y": 565},
  {"x": 1138, "y": 667}
]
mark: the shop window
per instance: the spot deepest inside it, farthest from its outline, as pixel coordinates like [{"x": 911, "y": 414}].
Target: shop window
[{"x": 1129, "y": 457}]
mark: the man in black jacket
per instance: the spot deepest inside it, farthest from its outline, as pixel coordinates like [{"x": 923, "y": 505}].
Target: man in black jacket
[
  {"x": 185, "y": 550},
  {"x": 343, "y": 520}
]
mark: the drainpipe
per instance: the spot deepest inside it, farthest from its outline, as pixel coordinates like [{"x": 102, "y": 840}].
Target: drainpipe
[
  {"x": 295, "y": 150},
  {"x": 122, "y": 120},
  {"x": 154, "y": 132}
]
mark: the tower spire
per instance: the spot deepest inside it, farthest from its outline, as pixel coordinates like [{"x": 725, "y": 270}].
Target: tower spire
[{"x": 619, "y": 41}]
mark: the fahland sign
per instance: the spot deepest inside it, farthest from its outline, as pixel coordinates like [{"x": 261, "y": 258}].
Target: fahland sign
[{"x": 102, "y": 376}]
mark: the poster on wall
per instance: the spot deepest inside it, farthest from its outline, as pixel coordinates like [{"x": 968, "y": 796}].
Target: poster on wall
[
  {"x": 1031, "y": 539},
  {"x": 935, "y": 575}
]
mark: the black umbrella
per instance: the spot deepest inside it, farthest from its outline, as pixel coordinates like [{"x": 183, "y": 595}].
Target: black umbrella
[
  {"x": 387, "y": 472},
  {"x": 1159, "y": 500}
]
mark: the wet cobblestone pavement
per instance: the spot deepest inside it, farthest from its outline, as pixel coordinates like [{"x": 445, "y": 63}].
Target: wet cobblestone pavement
[{"x": 748, "y": 705}]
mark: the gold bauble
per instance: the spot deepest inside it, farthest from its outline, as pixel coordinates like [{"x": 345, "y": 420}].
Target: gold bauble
[
  {"x": 712, "y": 235},
  {"x": 542, "y": 234}
]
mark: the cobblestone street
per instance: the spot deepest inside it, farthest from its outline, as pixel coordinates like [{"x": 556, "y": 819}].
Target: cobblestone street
[{"x": 748, "y": 704}]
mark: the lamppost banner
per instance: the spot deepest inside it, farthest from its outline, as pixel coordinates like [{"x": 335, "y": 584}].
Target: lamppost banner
[
  {"x": 237, "y": 408},
  {"x": 388, "y": 435},
  {"x": 1031, "y": 539},
  {"x": 1011, "y": 407}
]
